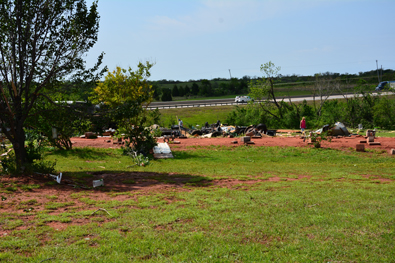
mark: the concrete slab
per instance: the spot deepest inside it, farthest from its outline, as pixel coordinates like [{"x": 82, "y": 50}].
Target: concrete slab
[{"x": 162, "y": 151}]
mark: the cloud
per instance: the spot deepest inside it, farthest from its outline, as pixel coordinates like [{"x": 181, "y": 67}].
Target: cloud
[{"x": 213, "y": 16}]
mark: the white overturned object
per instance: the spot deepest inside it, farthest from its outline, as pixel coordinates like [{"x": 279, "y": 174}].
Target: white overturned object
[
  {"x": 57, "y": 178},
  {"x": 162, "y": 151},
  {"x": 97, "y": 183}
]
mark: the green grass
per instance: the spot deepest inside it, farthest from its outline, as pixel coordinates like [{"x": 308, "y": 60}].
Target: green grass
[
  {"x": 385, "y": 133},
  {"x": 333, "y": 213},
  {"x": 195, "y": 116}
]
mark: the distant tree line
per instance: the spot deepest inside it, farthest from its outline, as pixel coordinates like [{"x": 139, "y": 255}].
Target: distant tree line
[{"x": 166, "y": 90}]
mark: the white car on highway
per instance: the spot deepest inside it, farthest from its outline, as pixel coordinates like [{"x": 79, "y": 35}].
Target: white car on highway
[{"x": 242, "y": 99}]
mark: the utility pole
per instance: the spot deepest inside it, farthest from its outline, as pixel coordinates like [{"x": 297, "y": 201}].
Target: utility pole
[
  {"x": 378, "y": 76},
  {"x": 230, "y": 74}
]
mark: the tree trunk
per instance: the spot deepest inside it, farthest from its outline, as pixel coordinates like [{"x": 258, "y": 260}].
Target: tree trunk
[{"x": 18, "y": 143}]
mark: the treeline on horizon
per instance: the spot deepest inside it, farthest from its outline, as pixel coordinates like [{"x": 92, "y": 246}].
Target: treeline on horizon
[{"x": 166, "y": 90}]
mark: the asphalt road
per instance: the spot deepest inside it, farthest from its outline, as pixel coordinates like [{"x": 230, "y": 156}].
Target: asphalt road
[{"x": 223, "y": 102}]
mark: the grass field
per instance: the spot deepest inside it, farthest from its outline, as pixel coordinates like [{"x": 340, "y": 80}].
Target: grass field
[
  {"x": 195, "y": 116},
  {"x": 325, "y": 206}
]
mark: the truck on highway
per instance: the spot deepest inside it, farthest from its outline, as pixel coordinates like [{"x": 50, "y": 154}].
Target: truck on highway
[
  {"x": 388, "y": 85},
  {"x": 242, "y": 99}
]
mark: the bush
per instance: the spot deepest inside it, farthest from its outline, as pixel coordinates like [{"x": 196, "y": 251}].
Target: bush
[{"x": 371, "y": 111}]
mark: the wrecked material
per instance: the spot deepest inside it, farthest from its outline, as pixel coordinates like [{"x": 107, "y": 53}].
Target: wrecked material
[
  {"x": 360, "y": 147},
  {"x": 162, "y": 151},
  {"x": 57, "y": 178},
  {"x": 245, "y": 139},
  {"x": 97, "y": 183},
  {"x": 370, "y": 133}
]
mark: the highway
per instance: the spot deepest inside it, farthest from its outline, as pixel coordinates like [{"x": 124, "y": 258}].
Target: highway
[{"x": 223, "y": 102}]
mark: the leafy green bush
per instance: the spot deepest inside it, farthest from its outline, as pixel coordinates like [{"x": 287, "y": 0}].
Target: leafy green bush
[{"x": 370, "y": 111}]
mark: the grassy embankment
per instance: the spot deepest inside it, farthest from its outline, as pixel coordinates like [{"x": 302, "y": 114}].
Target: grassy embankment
[
  {"x": 336, "y": 211},
  {"x": 193, "y": 116}
]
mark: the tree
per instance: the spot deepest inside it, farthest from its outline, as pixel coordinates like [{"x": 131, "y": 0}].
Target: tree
[
  {"x": 123, "y": 85},
  {"x": 175, "y": 91},
  {"x": 263, "y": 90},
  {"x": 205, "y": 87},
  {"x": 181, "y": 91},
  {"x": 67, "y": 120},
  {"x": 127, "y": 94},
  {"x": 166, "y": 94},
  {"x": 187, "y": 90},
  {"x": 324, "y": 87},
  {"x": 195, "y": 89},
  {"x": 40, "y": 43},
  {"x": 157, "y": 91}
]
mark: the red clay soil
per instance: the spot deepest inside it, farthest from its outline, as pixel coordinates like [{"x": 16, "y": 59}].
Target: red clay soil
[{"x": 282, "y": 141}]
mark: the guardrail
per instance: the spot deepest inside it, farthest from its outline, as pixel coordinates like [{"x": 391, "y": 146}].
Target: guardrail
[
  {"x": 208, "y": 104},
  {"x": 195, "y": 105}
]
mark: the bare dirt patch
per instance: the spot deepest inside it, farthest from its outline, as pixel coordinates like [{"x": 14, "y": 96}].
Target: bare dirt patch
[{"x": 296, "y": 141}]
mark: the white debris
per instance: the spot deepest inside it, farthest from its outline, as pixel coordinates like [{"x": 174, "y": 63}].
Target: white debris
[{"x": 97, "y": 183}]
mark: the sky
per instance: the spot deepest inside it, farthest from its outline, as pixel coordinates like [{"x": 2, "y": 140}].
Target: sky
[{"x": 206, "y": 39}]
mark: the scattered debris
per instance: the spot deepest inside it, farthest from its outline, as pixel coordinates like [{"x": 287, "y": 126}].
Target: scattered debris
[
  {"x": 370, "y": 133},
  {"x": 338, "y": 129},
  {"x": 162, "y": 151},
  {"x": 97, "y": 183},
  {"x": 245, "y": 139},
  {"x": 101, "y": 209},
  {"x": 90, "y": 135},
  {"x": 168, "y": 138},
  {"x": 360, "y": 147},
  {"x": 57, "y": 178}
]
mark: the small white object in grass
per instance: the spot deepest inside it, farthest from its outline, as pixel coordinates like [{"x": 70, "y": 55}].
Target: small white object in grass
[
  {"x": 57, "y": 178},
  {"x": 97, "y": 183}
]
